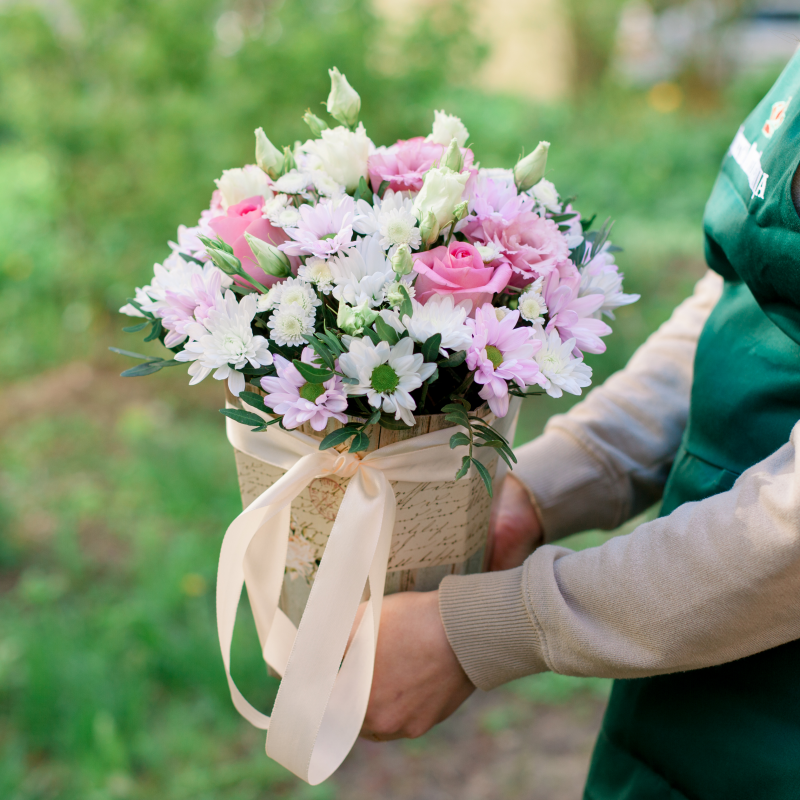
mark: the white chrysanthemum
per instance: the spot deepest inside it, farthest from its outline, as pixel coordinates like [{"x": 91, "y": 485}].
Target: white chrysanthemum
[
  {"x": 361, "y": 272},
  {"x": 317, "y": 271},
  {"x": 301, "y": 557},
  {"x": 564, "y": 373},
  {"x": 225, "y": 343},
  {"x": 489, "y": 251},
  {"x": 440, "y": 315},
  {"x": 447, "y": 127},
  {"x": 501, "y": 312},
  {"x": 392, "y": 294},
  {"x": 290, "y": 324},
  {"x": 281, "y": 211},
  {"x": 325, "y": 184},
  {"x": 546, "y": 195},
  {"x": 386, "y": 375},
  {"x": 294, "y": 182},
  {"x": 393, "y": 217},
  {"x": 602, "y": 276},
  {"x": 239, "y": 184},
  {"x": 174, "y": 275},
  {"x": 531, "y": 303}
]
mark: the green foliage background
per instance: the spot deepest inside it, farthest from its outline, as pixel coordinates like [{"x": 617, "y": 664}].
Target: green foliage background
[{"x": 113, "y": 499}]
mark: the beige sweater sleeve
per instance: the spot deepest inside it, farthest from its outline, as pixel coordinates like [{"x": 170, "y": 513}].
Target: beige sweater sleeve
[{"x": 712, "y": 582}]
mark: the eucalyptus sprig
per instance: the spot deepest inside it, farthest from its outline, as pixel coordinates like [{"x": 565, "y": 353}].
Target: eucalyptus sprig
[{"x": 478, "y": 434}]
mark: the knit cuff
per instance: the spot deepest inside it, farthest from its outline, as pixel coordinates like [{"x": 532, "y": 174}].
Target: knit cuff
[{"x": 489, "y": 627}]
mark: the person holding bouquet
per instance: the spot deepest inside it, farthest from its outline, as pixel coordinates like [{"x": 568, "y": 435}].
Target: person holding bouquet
[{"x": 697, "y": 613}]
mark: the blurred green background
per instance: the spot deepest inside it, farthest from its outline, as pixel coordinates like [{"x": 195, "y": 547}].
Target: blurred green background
[{"x": 115, "y": 117}]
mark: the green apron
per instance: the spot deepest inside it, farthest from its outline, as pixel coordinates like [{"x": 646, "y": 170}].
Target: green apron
[{"x": 730, "y": 731}]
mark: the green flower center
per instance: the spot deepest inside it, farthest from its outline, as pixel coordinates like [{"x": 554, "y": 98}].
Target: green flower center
[
  {"x": 327, "y": 236},
  {"x": 311, "y": 391},
  {"x": 494, "y": 355},
  {"x": 384, "y": 379}
]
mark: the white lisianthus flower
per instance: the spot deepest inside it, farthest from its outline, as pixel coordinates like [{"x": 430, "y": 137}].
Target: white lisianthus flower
[
  {"x": 386, "y": 374},
  {"x": 392, "y": 293},
  {"x": 361, "y": 273},
  {"x": 239, "y": 184},
  {"x": 225, "y": 343},
  {"x": 342, "y": 154},
  {"x": 546, "y": 195},
  {"x": 441, "y": 192},
  {"x": 281, "y": 212},
  {"x": 317, "y": 271},
  {"x": 440, "y": 315},
  {"x": 393, "y": 217},
  {"x": 447, "y": 127},
  {"x": 290, "y": 324},
  {"x": 531, "y": 303},
  {"x": 564, "y": 372}
]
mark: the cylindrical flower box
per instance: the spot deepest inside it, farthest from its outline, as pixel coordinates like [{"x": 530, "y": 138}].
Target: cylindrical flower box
[{"x": 440, "y": 528}]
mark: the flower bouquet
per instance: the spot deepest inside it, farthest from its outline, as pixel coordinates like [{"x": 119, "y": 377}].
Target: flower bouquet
[{"x": 373, "y": 311}]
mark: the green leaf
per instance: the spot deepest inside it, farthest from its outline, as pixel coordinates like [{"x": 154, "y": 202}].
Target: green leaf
[
  {"x": 387, "y": 332},
  {"x": 373, "y": 335},
  {"x": 464, "y": 469},
  {"x": 563, "y": 217},
  {"x": 320, "y": 347},
  {"x": 484, "y": 473},
  {"x": 252, "y": 399},
  {"x": 406, "y": 309},
  {"x": 373, "y": 417},
  {"x": 136, "y": 328},
  {"x": 348, "y": 380},
  {"x": 312, "y": 374},
  {"x": 459, "y": 440},
  {"x": 382, "y": 188},
  {"x": 454, "y": 359},
  {"x": 333, "y": 341},
  {"x": 131, "y": 354},
  {"x": 156, "y": 332},
  {"x": 360, "y": 442},
  {"x": 243, "y": 417},
  {"x": 392, "y": 424},
  {"x": 337, "y": 437},
  {"x": 148, "y": 368},
  {"x": 430, "y": 349}
]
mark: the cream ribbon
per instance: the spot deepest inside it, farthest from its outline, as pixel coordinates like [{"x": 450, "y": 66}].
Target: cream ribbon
[{"x": 322, "y": 699}]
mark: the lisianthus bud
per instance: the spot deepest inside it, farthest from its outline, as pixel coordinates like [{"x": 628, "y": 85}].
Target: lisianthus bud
[
  {"x": 269, "y": 258},
  {"x": 268, "y": 157},
  {"x": 441, "y": 193},
  {"x": 402, "y": 263},
  {"x": 227, "y": 262},
  {"x": 289, "y": 162},
  {"x": 429, "y": 228},
  {"x": 216, "y": 244},
  {"x": 316, "y": 124},
  {"x": 344, "y": 102},
  {"x": 353, "y": 319},
  {"x": 530, "y": 170},
  {"x": 452, "y": 158},
  {"x": 461, "y": 210}
]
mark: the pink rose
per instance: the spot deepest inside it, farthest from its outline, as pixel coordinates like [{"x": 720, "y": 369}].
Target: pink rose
[
  {"x": 533, "y": 245},
  {"x": 458, "y": 270},
  {"x": 405, "y": 163},
  {"x": 245, "y": 217}
]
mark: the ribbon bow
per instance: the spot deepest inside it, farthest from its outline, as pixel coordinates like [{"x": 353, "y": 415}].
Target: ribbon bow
[{"x": 322, "y": 699}]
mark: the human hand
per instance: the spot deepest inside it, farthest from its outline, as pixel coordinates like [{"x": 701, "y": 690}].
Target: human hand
[
  {"x": 418, "y": 681},
  {"x": 514, "y": 529}
]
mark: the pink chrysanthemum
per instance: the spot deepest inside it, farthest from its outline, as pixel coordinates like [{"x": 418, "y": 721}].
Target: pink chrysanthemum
[
  {"x": 297, "y": 401},
  {"x": 323, "y": 229},
  {"x": 571, "y": 315},
  {"x": 182, "y": 308},
  {"x": 500, "y": 353}
]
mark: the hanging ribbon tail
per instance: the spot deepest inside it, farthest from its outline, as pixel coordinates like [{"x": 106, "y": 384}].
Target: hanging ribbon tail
[
  {"x": 255, "y": 546},
  {"x": 320, "y": 708}
]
